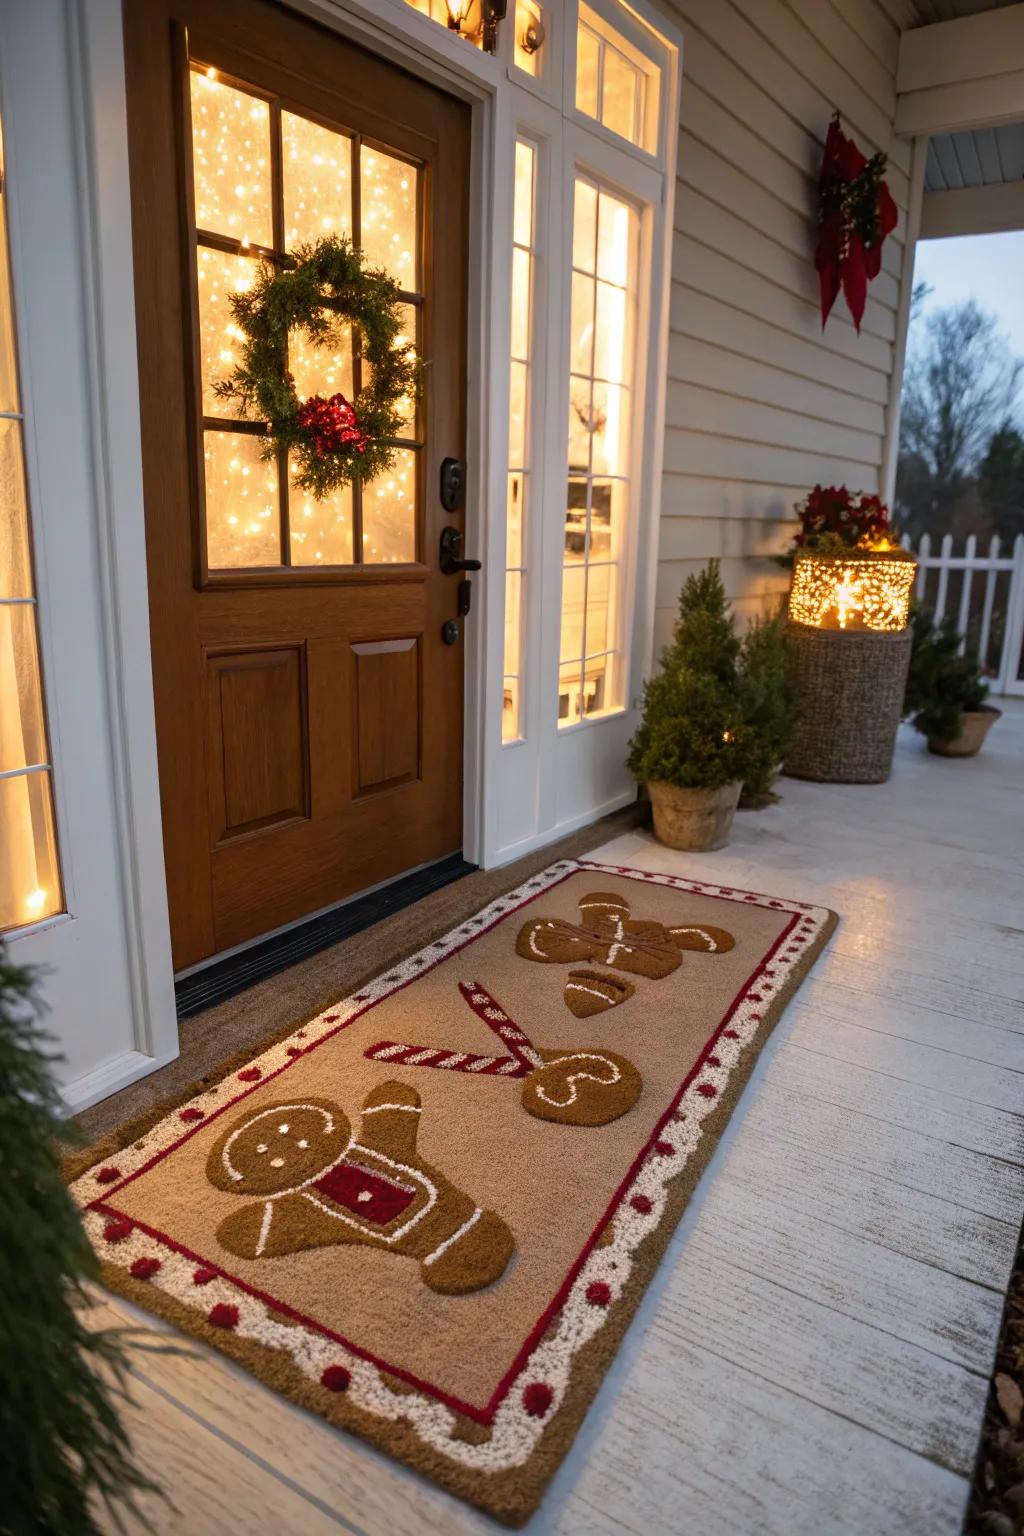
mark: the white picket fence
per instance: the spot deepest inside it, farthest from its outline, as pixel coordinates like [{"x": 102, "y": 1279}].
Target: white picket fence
[{"x": 1001, "y": 599}]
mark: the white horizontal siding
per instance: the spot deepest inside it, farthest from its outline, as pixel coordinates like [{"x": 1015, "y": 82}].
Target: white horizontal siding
[{"x": 761, "y": 402}]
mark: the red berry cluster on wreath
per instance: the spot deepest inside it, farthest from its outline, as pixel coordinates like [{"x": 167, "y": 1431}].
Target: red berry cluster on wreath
[
  {"x": 332, "y": 423},
  {"x": 832, "y": 517}
]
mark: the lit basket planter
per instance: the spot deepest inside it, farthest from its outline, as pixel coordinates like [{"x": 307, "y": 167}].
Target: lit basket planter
[
  {"x": 866, "y": 589},
  {"x": 848, "y": 616}
]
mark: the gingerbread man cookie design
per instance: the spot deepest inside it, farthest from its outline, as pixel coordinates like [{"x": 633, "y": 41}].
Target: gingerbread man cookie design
[
  {"x": 313, "y": 1185},
  {"x": 579, "y": 1085},
  {"x": 608, "y": 935}
]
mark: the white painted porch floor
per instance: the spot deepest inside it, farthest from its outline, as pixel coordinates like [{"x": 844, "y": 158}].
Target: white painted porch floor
[{"x": 813, "y": 1355}]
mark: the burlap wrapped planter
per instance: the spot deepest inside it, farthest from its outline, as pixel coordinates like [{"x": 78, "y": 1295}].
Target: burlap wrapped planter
[{"x": 850, "y": 686}]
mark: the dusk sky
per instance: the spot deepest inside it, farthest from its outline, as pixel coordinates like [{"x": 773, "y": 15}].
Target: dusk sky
[{"x": 989, "y": 268}]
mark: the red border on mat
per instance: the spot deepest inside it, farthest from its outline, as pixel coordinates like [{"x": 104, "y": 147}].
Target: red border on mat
[{"x": 485, "y": 1414}]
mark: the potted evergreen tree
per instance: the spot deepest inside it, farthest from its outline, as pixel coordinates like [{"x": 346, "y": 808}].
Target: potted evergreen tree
[
  {"x": 768, "y": 683},
  {"x": 692, "y": 746},
  {"x": 946, "y": 693},
  {"x": 63, "y": 1452}
]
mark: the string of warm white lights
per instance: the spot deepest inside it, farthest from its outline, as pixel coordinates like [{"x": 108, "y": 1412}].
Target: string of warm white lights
[
  {"x": 231, "y": 173},
  {"x": 862, "y": 590}
]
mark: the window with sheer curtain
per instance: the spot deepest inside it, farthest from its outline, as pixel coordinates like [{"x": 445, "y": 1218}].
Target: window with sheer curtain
[{"x": 30, "y": 886}]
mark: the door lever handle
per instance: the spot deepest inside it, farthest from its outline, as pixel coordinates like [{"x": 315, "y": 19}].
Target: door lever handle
[{"x": 451, "y": 560}]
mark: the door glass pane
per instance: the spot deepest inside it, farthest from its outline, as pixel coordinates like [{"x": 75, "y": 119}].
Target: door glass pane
[
  {"x": 15, "y": 567},
  {"x": 29, "y": 878},
  {"x": 321, "y": 370},
  {"x": 389, "y": 215},
  {"x": 513, "y": 583},
  {"x": 316, "y": 166},
  {"x": 599, "y": 596},
  {"x": 242, "y": 520},
  {"x": 321, "y": 531},
  {"x": 231, "y": 160},
  {"x": 389, "y": 513},
  {"x": 22, "y": 734},
  {"x": 220, "y": 275}
]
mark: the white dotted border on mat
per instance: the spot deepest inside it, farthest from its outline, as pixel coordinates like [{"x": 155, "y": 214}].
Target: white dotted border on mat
[{"x": 544, "y": 1379}]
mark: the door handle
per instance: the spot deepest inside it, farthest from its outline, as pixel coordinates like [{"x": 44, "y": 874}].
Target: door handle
[{"x": 451, "y": 560}]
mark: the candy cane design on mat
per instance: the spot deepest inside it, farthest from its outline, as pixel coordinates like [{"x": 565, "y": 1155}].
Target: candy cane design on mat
[{"x": 585, "y": 1085}]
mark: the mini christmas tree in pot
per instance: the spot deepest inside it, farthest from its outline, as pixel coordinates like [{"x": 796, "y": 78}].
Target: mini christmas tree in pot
[{"x": 692, "y": 745}]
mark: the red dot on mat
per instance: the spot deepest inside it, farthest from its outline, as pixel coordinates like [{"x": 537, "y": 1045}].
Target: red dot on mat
[
  {"x": 713, "y": 1061},
  {"x": 730, "y": 1034},
  {"x": 642, "y": 1204},
  {"x": 203, "y": 1276},
  {"x": 664, "y": 1148},
  {"x": 223, "y": 1315},
  {"x": 754, "y": 997},
  {"x": 250, "y": 1075},
  {"x": 117, "y": 1230},
  {"x": 599, "y": 1294},
  {"x": 143, "y": 1268},
  {"x": 190, "y": 1116},
  {"x": 537, "y": 1399},
  {"x": 707, "y": 1090},
  {"x": 329, "y": 1018},
  {"x": 295, "y": 1050},
  {"x": 108, "y": 1175},
  {"x": 336, "y": 1378}
]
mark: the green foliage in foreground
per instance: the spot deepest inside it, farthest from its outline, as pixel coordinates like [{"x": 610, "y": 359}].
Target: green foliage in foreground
[{"x": 63, "y": 1452}]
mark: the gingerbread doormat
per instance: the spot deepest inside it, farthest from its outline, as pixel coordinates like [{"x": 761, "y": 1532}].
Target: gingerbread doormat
[{"x": 430, "y": 1212}]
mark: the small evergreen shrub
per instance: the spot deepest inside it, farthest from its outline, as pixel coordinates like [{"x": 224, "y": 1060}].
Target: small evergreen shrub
[
  {"x": 941, "y": 684},
  {"x": 770, "y": 706},
  {"x": 63, "y": 1452}
]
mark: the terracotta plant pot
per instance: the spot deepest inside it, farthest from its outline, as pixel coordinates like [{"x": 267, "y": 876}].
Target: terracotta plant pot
[
  {"x": 693, "y": 819},
  {"x": 976, "y": 725}
]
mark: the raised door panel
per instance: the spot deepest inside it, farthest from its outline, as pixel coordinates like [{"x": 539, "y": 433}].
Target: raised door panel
[
  {"x": 258, "y": 748},
  {"x": 387, "y": 713}
]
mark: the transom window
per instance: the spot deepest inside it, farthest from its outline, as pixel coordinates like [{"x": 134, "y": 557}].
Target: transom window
[
  {"x": 30, "y": 885},
  {"x": 615, "y": 82},
  {"x": 266, "y": 180},
  {"x": 602, "y": 326}
]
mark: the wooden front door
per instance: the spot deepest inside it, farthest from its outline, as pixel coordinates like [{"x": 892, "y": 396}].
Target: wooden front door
[{"x": 309, "y": 712}]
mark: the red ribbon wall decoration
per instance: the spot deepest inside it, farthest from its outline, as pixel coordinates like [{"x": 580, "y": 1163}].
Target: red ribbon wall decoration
[{"x": 855, "y": 214}]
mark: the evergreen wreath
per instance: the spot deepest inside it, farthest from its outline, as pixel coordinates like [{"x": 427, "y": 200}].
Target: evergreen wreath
[{"x": 323, "y": 286}]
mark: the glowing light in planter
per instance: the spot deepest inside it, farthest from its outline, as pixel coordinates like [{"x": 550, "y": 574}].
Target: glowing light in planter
[{"x": 865, "y": 589}]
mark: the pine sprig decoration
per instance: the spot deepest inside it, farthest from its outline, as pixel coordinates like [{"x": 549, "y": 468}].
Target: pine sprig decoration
[
  {"x": 63, "y": 1451},
  {"x": 325, "y": 288}
]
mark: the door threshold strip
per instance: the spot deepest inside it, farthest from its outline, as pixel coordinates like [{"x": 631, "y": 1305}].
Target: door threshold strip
[{"x": 225, "y": 978}]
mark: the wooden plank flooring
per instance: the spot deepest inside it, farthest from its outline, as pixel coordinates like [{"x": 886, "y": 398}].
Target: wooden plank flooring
[{"x": 813, "y": 1355}]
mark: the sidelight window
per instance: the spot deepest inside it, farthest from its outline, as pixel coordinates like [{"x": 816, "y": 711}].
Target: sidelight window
[
  {"x": 523, "y": 259},
  {"x": 265, "y": 180},
  {"x": 30, "y": 886},
  {"x": 598, "y": 498}
]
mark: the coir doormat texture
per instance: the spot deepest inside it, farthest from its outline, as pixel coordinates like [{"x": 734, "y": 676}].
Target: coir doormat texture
[{"x": 430, "y": 1212}]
